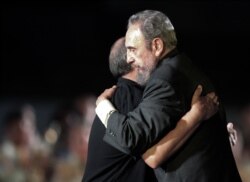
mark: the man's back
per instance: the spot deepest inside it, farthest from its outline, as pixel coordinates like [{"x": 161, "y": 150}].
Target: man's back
[{"x": 106, "y": 163}]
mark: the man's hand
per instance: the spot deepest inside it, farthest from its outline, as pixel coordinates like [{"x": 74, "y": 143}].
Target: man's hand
[
  {"x": 204, "y": 106},
  {"x": 232, "y": 134},
  {"x": 107, "y": 94}
]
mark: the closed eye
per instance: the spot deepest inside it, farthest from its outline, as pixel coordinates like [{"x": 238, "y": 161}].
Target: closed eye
[{"x": 131, "y": 49}]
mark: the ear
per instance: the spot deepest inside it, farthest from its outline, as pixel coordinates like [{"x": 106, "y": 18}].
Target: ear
[{"x": 157, "y": 46}]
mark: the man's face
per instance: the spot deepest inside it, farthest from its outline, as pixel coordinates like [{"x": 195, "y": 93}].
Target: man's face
[{"x": 138, "y": 55}]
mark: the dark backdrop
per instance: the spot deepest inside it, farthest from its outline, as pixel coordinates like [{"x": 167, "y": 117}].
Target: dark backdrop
[{"x": 60, "y": 49}]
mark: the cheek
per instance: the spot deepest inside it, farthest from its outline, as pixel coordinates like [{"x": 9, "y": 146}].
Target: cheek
[
  {"x": 141, "y": 58},
  {"x": 148, "y": 60}
]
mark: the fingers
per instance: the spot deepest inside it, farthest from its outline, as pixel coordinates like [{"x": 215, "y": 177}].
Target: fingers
[
  {"x": 106, "y": 94},
  {"x": 232, "y": 134},
  {"x": 197, "y": 94},
  {"x": 198, "y": 91},
  {"x": 230, "y": 127},
  {"x": 213, "y": 97},
  {"x": 110, "y": 91}
]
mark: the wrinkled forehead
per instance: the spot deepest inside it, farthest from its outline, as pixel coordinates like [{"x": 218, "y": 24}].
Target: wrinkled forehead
[{"x": 133, "y": 36}]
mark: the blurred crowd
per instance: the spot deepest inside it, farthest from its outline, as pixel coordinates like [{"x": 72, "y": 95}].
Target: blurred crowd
[
  {"x": 56, "y": 155},
  {"x": 59, "y": 153}
]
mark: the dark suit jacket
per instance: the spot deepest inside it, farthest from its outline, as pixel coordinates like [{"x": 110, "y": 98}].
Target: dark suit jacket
[
  {"x": 206, "y": 156},
  {"x": 106, "y": 163}
]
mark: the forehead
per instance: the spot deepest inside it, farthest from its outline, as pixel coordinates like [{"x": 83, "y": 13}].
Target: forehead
[{"x": 134, "y": 36}]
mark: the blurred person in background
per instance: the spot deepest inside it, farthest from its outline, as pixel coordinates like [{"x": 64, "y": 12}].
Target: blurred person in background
[
  {"x": 23, "y": 154},
  {"x": 72, "y": 125},
  {"x": 84, "y": 105}
]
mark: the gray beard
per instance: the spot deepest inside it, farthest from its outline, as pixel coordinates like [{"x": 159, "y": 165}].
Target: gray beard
[{"x": 142, "y": 78}]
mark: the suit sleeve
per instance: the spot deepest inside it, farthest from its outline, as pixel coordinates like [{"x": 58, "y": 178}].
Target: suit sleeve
[{"x": 157, "y": 114}]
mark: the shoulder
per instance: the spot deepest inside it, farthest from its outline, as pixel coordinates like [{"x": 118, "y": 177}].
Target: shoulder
[
  {"x": 171, "y": 68},
  {"x": 126, "y": 88},
  {"x": 127, "y": 95}
]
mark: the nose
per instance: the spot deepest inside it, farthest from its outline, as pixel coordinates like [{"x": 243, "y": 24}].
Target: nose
[{"x": 130, "y": 59}]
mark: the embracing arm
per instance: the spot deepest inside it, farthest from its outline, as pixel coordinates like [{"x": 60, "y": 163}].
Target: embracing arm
[
  {"x": 169, "y": 144},
  {"x": 202, "y": 108},
  {"x": 157, "y": 114}
]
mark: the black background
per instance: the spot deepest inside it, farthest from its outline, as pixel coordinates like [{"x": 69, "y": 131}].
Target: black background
[{"x": 58, "y": 49}]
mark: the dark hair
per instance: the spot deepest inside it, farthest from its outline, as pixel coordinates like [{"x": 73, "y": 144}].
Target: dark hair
[{"x": 118, "y": 59}]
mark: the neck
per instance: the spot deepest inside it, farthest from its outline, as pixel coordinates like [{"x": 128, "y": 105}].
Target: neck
[
  {"x": 130, "y": 76},
  {"x": 166, "y": 51}
]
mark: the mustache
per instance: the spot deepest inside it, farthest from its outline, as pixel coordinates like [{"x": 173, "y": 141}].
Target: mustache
[{"x": 136, "y": 66}]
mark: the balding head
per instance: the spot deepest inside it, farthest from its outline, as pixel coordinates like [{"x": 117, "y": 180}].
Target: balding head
[{"x": 118, "y": 60}]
